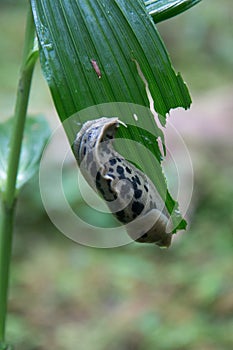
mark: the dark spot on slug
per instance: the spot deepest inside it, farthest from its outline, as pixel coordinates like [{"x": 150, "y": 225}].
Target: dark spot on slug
[
  {"x": 137, "y": 194},
  {"x": 112, "y": 161},
  {"x": 89, "y": 136},
  {"x": 98, "y": 176},
  {"x": 146, "y": 188},
  {"x": 120, "y": 169},
  {"x": 137, "y": 180},
  {"x": 121, "y": 216},
  {"x": 128, "y": 170},
  {"x": 122, "y": 177},
  {"x": 137, "y": 207}
]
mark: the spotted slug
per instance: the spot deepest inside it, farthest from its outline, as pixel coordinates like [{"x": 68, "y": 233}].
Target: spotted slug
[{"x": 128, "y": 192}]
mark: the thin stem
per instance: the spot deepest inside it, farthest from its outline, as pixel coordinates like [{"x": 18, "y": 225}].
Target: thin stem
[
  {"x": 7, "y": 218},
  {"x": 21, "y": 105},
  {"x": 9, "y": 195}
]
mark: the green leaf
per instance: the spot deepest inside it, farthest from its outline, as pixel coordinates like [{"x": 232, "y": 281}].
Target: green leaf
[
  {"x": 90, "y": 51},
  {"x": 33, "y": 55},
  {"x": 161, "y": 10},
  {"x": 98, "y": 52},
  {"x": 36, "y": 134}
]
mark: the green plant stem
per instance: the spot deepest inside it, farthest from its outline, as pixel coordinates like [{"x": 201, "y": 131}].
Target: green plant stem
[
  {"x": 7, "y": 218},
  {"x": 9, "y": 195},
  {"x": 20, "y": 111}
]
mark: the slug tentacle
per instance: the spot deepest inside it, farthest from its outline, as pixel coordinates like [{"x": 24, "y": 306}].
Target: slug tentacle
[{"x": 128, "y": 192}]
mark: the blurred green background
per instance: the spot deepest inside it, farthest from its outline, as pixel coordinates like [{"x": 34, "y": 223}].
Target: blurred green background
[{"x": 66, "y": 296}]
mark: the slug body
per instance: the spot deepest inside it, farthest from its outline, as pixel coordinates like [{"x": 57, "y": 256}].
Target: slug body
[{"x": 128, "y": 192}]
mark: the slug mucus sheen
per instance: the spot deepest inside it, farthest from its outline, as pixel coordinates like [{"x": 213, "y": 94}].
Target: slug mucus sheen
[{"x": 129, "y": 193}]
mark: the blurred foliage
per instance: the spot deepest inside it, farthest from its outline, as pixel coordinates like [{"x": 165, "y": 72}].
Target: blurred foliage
[
  {"x": 36, "y": 135},
  {"x": 12, "y": 27},
  {"x": 65, "y": 296},
  {"x": 200, "y": 43}
]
